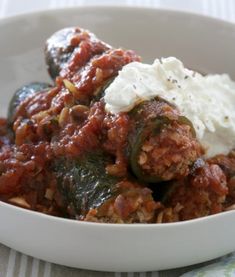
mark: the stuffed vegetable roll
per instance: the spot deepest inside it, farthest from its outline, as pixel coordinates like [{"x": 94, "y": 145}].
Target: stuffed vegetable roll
[
  {"x": 83, "y": 62},
  {"x": 71, "y": 48},
  {"x": 91, "y": 194},
  {"x": 159, "y": 144}
]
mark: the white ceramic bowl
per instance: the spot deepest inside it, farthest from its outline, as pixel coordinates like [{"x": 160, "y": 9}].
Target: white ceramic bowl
[{"x": 201, "y": 43}]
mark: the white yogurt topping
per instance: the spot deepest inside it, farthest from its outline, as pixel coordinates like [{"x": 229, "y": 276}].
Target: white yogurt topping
[{"x": 207, "y": 101}]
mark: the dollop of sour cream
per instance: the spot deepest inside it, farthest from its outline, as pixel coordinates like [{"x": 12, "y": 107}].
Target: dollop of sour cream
[{"x": 207, "y": 101}]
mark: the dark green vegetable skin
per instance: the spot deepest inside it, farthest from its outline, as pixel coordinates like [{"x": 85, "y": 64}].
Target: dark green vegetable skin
[
  {"x": 58, "y": 51},
  {"x": 84, "y": 183},
  {"x": 146, "y": 127},
  {"x": 21, "y": 94}
]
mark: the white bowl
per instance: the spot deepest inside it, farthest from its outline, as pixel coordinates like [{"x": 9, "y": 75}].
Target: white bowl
[{"x": 201, "y": 43}]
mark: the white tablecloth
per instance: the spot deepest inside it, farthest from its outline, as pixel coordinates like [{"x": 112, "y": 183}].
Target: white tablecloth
[{"x": 13, "y": 263}]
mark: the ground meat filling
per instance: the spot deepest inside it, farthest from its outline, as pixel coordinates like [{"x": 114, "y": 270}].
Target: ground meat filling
[
  {"x": 170, "y": 153},
  {"x": 133, "y": 205},
  {"x": 202, "y": 193},
  {"x": 227, "y": 164}
]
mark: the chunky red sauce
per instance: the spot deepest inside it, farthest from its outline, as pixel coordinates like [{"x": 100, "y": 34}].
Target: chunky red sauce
[{"x": 60, "y": 122}]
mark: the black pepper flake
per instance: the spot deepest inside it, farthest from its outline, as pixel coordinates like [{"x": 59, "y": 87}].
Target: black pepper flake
[
  {"x": 226, "y": 117},
  {"x": 186, "y": 77},
  {"x": 179, "y": 86},
  {"x": 169, "y": 79},
  {"x": 173, "y": 98},
  {"x": 174, "y": 81},
  {"x": 134, "y": 86}
]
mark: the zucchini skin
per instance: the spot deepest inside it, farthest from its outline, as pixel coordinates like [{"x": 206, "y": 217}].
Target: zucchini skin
[
  {"x": 58, "y": 51},
  {"x": 84, "y": 183},
  {"x": 21, "y": 94}
]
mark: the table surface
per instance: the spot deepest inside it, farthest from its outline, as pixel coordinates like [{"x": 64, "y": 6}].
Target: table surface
[{"x": 13, "y": 263}]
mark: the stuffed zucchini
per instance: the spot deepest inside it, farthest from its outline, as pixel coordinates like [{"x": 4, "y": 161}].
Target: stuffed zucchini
[
  {"x": 162, "y": 142},
  {"x": 159, "y": 144},
  {"x": 71, "y": 47},
  {"x": 83, "y": 62},
  {"x": 91, "y": 194}
]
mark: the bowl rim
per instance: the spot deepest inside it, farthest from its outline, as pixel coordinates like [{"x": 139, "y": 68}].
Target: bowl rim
[
  {"x": 128, "y": 8},
  {"x": 93, "y": 7}
]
